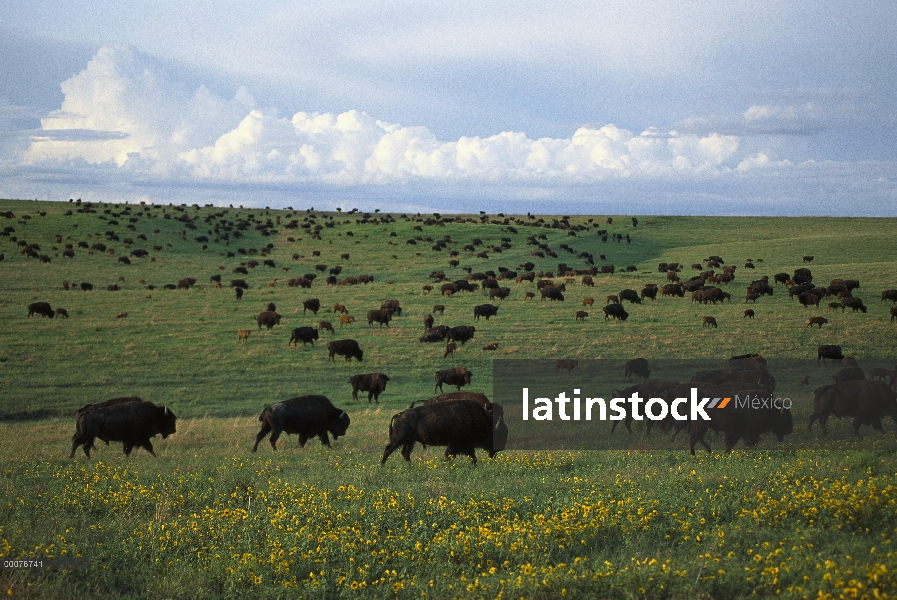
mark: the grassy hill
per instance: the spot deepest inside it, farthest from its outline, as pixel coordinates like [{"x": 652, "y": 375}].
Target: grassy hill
[{"x": 331, "y": 522}]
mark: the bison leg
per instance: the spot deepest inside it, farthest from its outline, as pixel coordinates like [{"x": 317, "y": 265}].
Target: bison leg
[
  {"x": 390, "y": 448},
  {"x": 147, "y": 444},
  {"x": 732, "y": 439},
  {"x": 266, "y": 429},
  {"x": 77, "y": 440},
  {"x": 406, "y": 450},
  {"x": 325, "y": 439},
  {"x": 275, "y": 435}
]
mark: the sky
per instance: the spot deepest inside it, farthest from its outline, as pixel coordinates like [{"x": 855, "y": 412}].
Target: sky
[{"x": 593, "y": 107}]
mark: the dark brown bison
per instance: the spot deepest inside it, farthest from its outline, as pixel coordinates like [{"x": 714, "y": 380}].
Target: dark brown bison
[
  {"x": 501, "y": 293},
  {"x": 819, "y": 321},
  {"x": 325, "y": 326},
  {"x": 672, "y": 289},
  {"x": 630, "y": 296},
  {"x": 435, "y": 334},
  {"x": 889, "y": 295},
  {"x": 708, "y": 322},
  {"x": 552, "y": 293},
  {"x": 372, "y": 383},
  {"x": 306, "y": 335},
  {"x": 312, "y": 304},
  {"x": 865, "y": 400},
  {"x": 459, "y": 376},
  {"x": 893, "y": 313},
  {"x": 616, "y": 311},
  {"x": 347, "y": 348},
  {"x": 566, "y": 364},
  {"x": 392, "y": 305},
  {"x": 61, "y": 312},
  {"x": 99, "y": 405},
  {"x": 450, "y": 350},
  {"x": 636, "y": 366},
  {"x": 131, "y": 422},
  {"x": 484, "y": 310},
  {"x": 828, "y": 352},
  {"x": 852, "y": 302},
  {"x": 649, "y": 292},
  {"x": 741, "y": 423},
  {"x": 461, "y": 333},
  {"x": 307, "y": 416},
  {"x": 428, "y": 321},
  {"x": 580, "y": 315},
  {"x": 41, "y": 308},
  {"x": 268, "y": 319},
  {"x": 460, "y": 425},
  {"x": 848, "y": 374},
  {"x": 749, "y": 313},
  {"x": 381, "y": 317}
]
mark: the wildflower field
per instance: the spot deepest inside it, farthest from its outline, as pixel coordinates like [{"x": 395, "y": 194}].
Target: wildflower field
[{"x": 208, "y": 518}]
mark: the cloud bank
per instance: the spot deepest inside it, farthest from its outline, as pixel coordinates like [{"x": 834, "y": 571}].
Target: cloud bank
[{"x": 125, "y": 119}]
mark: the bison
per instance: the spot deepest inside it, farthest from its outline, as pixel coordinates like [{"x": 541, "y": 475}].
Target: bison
[
  {"x": 565, "y": 364},
  {"x": 461, "y": 333},
  {"x": 129, "y": 421},
  {"x": 501, "y": 293},
  {"x": 459, "y": 376},
  {"x": 828, "y": 352},
  {"x": 307, "y": 416},
  {"x": 616, "y": 311},
  {"x": 867, "y": 401},
  {"x": 347, "y": 348},
  {"x": 484, "y": 310},
  {"x": 630, "y": 296},
  {"x": 61, "y": 312},
  {"x": 708, "y": 322},
  {"x": 381, "y": 316},
  {"x": 372, "y": 383},
  {"x": 312, "y": 304},
  {"x": 41, "y": 308},
  {"x": 306, "y": 335},
  {"x": 460, "y": 425},
  {"x": 268, "y": 319},
  {"x": 392, "y": 305},
  {"x": 819, "y": 321},
  {"x": 636, "y": 366}
]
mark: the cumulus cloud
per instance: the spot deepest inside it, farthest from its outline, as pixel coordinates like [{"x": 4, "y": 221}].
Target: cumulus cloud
[{"x": 122, "y": 109}]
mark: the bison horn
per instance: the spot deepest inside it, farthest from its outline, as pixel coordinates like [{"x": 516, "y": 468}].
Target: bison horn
[
  {"x": 342, "y": 414},
  {"x": 167, "y": 412}
]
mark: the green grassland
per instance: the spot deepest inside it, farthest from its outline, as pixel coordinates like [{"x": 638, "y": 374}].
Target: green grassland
[{"x": 208, "y": 517}]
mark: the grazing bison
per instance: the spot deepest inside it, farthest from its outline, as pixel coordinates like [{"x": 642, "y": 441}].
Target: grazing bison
[
  {"x": 672, "y": 289},
  {"x": 889, "y": 295},
  {"x": 268, "y": 319},
  {"x": 372, "y": 383},
  {"x": 484, "y": 310},
  {"x": 325, "y": 326},
  {"x": 306, "y": 335},
  {"x": 339, "y": 308},
  {"x": 649, "y": 292},
  {"x": 307, "y": 416},
  {"x": 381, "y": 317},
  {"x": 312, "y": 304},
  {"x": 461, "y": 333},
  {"x": 749, "y": 313},
  {"x": 438, "y": 308},
  {"x": 450, "y": 350},
  {"x": 580, "y": 315},
  {"x": 552, "y": 293},
  {"x": 867, "y": 401},
  {"x": 41, "y": 308},
  {"x": 828, "y": 352},
  {"x": 61, "y": 312},
  {"x": 820, "y": 321},
  {"x": 631, "y": 296},
  {"x": 565, "y": 364},
  {"x": 347, "y": 348},
  {"x": 501, "y": 293},
  {"x": 808, "y": 298},
  {"x": 131, "y": 422},
  {"x": 708, "y": 322},
  {"x": 636, "y": 366},
  {"x": 616, "y": 311},
  {"x": 346, "y": 319},
  {"x": 459, "y": 376},
  {"x": 855, "y": 303},
  {"x": 460, "y": 425},
  {"x": 588, "y": 301}
]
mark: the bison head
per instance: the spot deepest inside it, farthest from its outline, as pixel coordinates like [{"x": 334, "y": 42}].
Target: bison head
[
  {"x": 339, "y": 425},
  {"x": 167, "y": 423}
]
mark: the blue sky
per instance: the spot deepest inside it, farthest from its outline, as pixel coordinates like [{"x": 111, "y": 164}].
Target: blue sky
[{"x": 645, "y": 107}]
